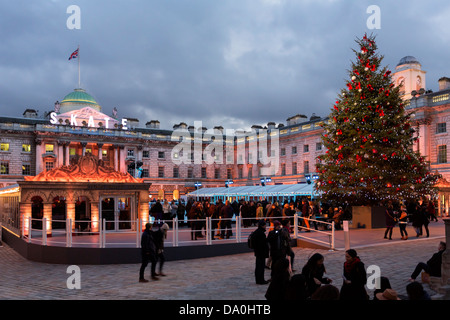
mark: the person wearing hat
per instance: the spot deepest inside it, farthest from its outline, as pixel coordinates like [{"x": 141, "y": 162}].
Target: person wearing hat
[
  {"x": 278, "y": 245},
  {"x": 159, "y": 236},
  {"x": 261, "y": 250},
  {"x": 388, "y": 294},
  {"x": 148, "y": 253}
]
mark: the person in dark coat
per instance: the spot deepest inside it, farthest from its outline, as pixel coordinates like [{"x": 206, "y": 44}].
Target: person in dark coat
[
  {"x": 226, "y": 213},
  {"x": 313, "y": 272},
  {"x": 433, "y": 266},
  {"x": 390, "y": 221},
  {"x": 355, "y": 278},
  {"x": 158, "y": 237},
  {"x": 296, "y": 288},
  {"x": 148, "y": 253},
  {"x": 280, "y": 280},
  {"x": 261, "y": 250}
]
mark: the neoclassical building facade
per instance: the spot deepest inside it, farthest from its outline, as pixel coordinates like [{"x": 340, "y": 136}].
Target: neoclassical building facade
[{"x": 33, "y": 144}]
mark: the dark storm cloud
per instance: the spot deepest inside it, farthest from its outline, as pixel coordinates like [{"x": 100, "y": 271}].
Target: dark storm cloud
[{"x": 229, "y": 63}]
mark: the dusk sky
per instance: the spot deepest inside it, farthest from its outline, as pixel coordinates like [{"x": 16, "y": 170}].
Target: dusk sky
[{"x": 225, "y": 62}]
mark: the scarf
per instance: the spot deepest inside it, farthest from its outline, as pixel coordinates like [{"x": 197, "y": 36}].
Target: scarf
[{"x": 348, "y": 266}]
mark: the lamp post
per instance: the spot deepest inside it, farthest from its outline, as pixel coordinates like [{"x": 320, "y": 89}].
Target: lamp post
[
  {"x": 227, "y": 185},
  {"x": 264, "y": 180},
  {"x": 197, "y": 185},
  {"x": 311, "y": 179}
]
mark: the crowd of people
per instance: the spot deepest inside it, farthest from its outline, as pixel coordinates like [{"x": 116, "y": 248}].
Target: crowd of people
[
  {"x": 194, "y": 213},
  {"x": 312, "y": 284},
  {"x": 420, "y": 213}
]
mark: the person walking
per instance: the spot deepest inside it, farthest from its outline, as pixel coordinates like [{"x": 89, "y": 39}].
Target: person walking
[
  {"x": 313, "y": 271},
  {"x": 261, "y": 250},
  {"x": 355, "y": 278},
  {"x": 402, "y": 223},
  {"x": 159, "y": 236},
  {"x": 286, "y": 241},
  {"x": 226, "y": 214},
  {"x": 278, "y": 246},
  {"x": 390, "y": 221},
  {"x": 148, "y": 253}
]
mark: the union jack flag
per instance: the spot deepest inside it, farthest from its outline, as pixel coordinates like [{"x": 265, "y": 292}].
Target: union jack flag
[{"x": 74, "y": 55}]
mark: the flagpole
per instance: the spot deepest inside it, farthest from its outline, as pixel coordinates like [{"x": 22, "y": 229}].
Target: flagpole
[{"x": 79, "y": 73}]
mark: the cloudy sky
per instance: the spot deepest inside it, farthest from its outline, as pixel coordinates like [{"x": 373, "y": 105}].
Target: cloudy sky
[{"x": 232, "y": 63}]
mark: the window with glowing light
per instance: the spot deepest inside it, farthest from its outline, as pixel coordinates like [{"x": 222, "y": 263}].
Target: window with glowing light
[
  {"x": 442, "y": 154},
  {"x": 49, "y": 148},
  {"x": 26, "y": 147},
  {"x": 4, "y": 147},
  {"x": 4, "y": 167}
]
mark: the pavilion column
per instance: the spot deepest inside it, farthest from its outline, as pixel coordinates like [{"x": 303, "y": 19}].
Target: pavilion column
[
  {"x": 446, "y": 196},
  {"x": 143, "y": 213},
  {"x": 48, "y": 213},
  {"x": 70, "y": 213},
  {"x": 95, "y": 217},
  {"x": 25, "y": 215}
]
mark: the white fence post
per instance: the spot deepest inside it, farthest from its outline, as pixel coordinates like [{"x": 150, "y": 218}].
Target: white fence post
[
  {"x": 295, "y": 225},
  {"x": 29, "y": 229},
  {"x": 104, "y": 233},
  {"x": 332, "y": 235},
  {"x": 174, "y": 225},
  {"x": 208, "y": 230},
  {"x": 44, "y": 231},
  {"x": 138, "y": 228},
  {"x": 68, "y": 233},
  {"x": 238, "y": 228}
]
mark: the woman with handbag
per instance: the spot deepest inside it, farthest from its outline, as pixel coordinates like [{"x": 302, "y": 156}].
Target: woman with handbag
[
  {"x": 390, "y": 221},
  {"x": 402, "y": 222}
]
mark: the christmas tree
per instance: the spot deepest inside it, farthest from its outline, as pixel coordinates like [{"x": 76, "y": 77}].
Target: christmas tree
[{"x": 369, "y": 140}]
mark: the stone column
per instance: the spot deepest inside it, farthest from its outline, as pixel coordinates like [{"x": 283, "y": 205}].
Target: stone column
[
  {"x": 25, "y": 214},
  {"x": 70, "y": 212},
  {"x": 59, "y": 154},
  {"x": 116, "y": 158},
  {"x": 66, "y": 154},
  {"x": 100, "y": 155},
  {"x": 83, "y": 145},
  {"x": 95, "y": 217},
  {"x": 39, "y": 165},
  {"x": 122, "y": 167},
  {"x": 48, "y": 206}
]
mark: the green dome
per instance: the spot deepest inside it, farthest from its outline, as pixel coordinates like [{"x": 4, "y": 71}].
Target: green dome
[{"x": 78, "y": 99}]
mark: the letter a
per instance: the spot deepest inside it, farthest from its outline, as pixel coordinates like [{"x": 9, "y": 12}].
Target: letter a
[
  {"x": 74, "y": 21},
  {"x": 74, "y": 281},
  {"x": 374, "y": 21}
]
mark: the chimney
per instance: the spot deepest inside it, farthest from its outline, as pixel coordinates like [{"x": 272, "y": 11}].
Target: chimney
[
  {"x": 444, "y": 83},
  {"x": 154, "y": 124}
]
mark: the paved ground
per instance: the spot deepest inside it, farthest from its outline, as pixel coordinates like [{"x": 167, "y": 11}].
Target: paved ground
[{"x": 221, "y": 278}]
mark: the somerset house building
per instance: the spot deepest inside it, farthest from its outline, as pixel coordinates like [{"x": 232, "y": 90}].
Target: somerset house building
[{"x": 46, "y": 155}]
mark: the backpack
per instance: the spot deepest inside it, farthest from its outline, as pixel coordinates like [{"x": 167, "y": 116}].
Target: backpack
[{"x": 250, "y": 240}]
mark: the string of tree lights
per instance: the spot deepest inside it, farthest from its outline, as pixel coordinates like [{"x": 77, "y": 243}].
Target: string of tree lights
[{"x": 369, "y": 139}]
